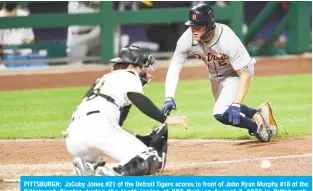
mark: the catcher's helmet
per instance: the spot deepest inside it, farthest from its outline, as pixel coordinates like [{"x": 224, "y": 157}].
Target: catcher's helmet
[
  {"x": 134, "y": 55},
  {"x": 202, "y": 15}
]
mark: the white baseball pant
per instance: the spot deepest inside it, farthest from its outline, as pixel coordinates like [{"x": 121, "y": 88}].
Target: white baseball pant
[
  {"x": 94, "y": 135},
  {"x": 225, "y": 91}
]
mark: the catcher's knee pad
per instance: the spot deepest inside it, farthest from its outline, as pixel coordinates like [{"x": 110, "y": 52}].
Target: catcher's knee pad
[{"x": 147, "y": 163}]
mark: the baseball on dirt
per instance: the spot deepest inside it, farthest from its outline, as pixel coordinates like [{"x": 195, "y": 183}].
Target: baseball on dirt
[{"x": 265, "y": 164}]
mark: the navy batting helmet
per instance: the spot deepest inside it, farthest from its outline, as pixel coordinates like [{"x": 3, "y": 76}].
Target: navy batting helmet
[
  {"x": 202, "y": 15},
  {"x": 134, "y": 55}
]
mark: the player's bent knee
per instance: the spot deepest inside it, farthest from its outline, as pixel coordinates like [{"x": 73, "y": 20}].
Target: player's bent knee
[
  {"x": 223, "y": 118},
  {"x": 147, "y": 163}
]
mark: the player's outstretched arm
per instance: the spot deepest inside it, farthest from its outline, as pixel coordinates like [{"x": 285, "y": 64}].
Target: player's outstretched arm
[
  {"x": 172, "y": 76},
  {"x": 183, "y": 46}
]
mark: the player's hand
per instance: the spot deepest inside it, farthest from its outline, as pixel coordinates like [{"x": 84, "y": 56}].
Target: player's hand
[
  {"x": 177, "y": 120},
  {"x": 168, "y": 106},
  {"x": 234, "y": 113}
]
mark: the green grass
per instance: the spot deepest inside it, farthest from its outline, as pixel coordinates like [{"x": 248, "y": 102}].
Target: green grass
[{"x": 46, "y": 113}]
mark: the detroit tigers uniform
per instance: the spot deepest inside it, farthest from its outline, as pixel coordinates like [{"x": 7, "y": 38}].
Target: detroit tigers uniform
[
  {"x": 223, "y": 55},
  {"x": 95, "y": 131}
]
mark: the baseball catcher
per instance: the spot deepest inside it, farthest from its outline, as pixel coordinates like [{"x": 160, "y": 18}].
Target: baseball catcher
[{"x": 96, "y": 126}]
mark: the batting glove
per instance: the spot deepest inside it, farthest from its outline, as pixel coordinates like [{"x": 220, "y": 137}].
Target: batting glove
[
  {"x": 234, "y": 113},
  {"x": 169, "y": 105}
]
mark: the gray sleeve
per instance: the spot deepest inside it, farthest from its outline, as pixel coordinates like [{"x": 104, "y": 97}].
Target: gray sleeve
[{"x": 181, "y": 53}]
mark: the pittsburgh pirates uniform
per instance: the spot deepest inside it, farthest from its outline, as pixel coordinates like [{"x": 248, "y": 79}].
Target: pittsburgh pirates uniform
[
  {"x": 16, "y": 36},
  {"x": 95, "y": 131},
  {"x": 82, "y": 38},
  {"x": 223, "y": 55}
]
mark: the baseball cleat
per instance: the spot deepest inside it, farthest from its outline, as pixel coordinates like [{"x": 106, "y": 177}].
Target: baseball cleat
[
  {"x": 99, "y": 162},
  {"x": 82, "y": 168},
  {"x": 106, "y": 171},
  {"x": 262, "y": 133},
  {"x": 267, "y": 112}
]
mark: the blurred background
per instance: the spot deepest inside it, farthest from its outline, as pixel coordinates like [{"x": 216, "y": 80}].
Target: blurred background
[{"x": 39, "y": 34}]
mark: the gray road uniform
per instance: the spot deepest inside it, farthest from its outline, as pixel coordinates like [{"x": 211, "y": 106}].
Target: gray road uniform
[
  {"x": 222, "y": 56},
  {"x": 225, "y": 58}
]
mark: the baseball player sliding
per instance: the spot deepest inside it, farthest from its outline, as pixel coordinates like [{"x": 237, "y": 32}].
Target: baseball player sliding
[
  {"x": 231, "y": 70},
  {"x": 95, "y": 129}
]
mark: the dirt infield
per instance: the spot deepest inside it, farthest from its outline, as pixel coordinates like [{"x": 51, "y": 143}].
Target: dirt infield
[
  {"x": 289, "y": 156},
  {"x": 209, "y": 157}
]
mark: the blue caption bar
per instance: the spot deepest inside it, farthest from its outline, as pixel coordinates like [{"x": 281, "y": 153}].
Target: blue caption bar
[{"x": 166, "y": 183}]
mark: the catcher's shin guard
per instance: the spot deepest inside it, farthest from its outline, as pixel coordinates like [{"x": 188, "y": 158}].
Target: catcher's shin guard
[
  {"x": 106, "y": 171},
  {"x": 157, "y": 140},
  {"x": 147, "y": 163}
]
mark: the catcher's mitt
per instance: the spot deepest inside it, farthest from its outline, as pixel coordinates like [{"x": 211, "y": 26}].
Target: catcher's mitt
[{"x": 157, "y": 139}]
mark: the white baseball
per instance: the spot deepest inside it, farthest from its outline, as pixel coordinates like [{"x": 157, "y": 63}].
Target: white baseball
[{"x": 265, "y": 164}]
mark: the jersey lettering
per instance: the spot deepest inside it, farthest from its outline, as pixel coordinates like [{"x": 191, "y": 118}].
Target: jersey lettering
[
  {"x": 219, "y": 59},
  {"x": 97, "y": 88}
]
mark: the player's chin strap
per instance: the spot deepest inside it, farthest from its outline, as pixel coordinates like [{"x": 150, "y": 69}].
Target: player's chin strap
[{"x": 207, "y": 32}]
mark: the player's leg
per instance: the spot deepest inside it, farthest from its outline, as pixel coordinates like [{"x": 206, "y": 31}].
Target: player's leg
[
  {"x": 93, "y": 39},
  {"x": 77, "y": 145},
  {"x": 158, "y": 140},
  {"x": 224, "y": 93},
  {"x": 134, "y": 156},
  {"x": 226, "y": 97},
  {"x": 217, "y": 86},
  {"x": 76, "y": 45},
  {"x": 248, "y": 111},
  {"x": 265, "y": 109},
  {"x": 85, "y": 134},
  {"x": 145, "y": 161}
]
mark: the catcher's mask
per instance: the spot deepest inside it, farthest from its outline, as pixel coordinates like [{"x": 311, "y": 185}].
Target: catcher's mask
[{"x": 136, "y": 56}]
